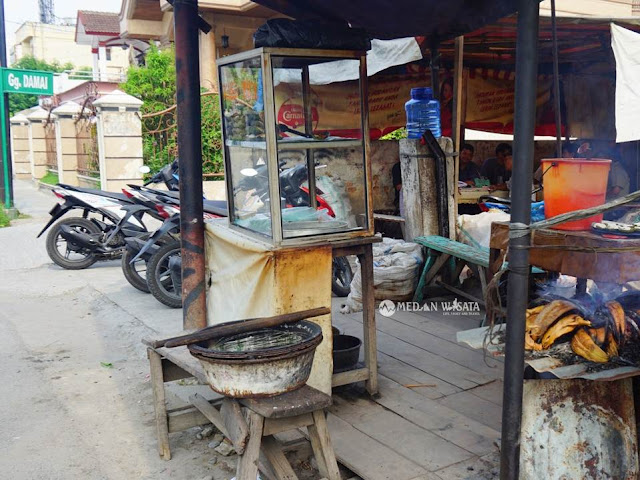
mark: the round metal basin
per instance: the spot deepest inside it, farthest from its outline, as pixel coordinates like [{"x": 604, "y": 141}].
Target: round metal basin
[{"x": 262, "y": 363}]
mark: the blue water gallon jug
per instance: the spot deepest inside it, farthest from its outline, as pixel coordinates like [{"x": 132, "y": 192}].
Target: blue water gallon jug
[{"x": 423, "y": 112}]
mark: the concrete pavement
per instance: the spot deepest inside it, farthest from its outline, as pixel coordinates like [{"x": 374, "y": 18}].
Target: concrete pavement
[{"x": 76, "y": 395}]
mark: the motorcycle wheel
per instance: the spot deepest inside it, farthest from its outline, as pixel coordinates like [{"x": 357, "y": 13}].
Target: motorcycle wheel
[
  {"x": 159, "y": 279},
  {"x": 81, "y": 258},
  {"x": 341, "y": 277},
  {"x": 136, "y": 273}
]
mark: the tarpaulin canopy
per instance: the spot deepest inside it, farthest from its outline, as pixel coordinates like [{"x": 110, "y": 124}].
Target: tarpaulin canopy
[{"x": 437, "y": 19}]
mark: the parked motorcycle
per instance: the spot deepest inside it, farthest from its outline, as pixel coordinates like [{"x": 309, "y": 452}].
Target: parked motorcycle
[
  {"x": 77, "y": 242},
  {"x": 161, "y": 252}
]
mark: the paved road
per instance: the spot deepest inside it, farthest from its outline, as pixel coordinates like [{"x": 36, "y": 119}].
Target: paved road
[{"x": 64, "y": 414}]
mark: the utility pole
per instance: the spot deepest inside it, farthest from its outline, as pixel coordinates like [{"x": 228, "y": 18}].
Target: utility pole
[{"x": 6, "y": 174}]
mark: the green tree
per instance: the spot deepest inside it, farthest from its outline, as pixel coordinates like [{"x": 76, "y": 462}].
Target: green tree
[
  {"x": 155, "y": 84},
  {"x": 18, "y": 101}
]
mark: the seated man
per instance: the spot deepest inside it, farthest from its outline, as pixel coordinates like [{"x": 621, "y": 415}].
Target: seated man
[
  {"x": 494, "y": 168},
  {"x": 469, "y": 171}
]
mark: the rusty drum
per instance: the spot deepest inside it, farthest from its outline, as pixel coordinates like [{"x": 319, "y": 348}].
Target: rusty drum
[
  {"x": 578, "y": 429},
  {"x": 262, "y": 363}
]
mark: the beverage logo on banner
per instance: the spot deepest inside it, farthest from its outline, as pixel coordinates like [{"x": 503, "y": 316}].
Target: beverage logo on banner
[{"x": 292, "y": 114}]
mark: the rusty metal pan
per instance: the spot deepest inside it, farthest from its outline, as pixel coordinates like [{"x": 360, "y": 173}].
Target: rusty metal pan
[{"x": 256, "y": 345}]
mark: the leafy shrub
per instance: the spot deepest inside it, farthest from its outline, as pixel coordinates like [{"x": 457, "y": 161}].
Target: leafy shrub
[{"x": 155, "y": 84}]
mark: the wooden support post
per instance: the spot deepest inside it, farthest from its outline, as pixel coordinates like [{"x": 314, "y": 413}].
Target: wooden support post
[
  {"x": 210, "y": 412},
  {"x": 322, "y": 446},
  {"x": 369, "y": 318},
  {"x": 237, "y": 429},
  {"x": 248, "y": 462},
  {"x": 279, "y": 463},
  {"x": 456, "y": 121},
  {"x": 159, "y": 403}
]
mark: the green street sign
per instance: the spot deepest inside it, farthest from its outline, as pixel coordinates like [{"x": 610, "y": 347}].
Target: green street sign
[{"x": 27, "y": 81}]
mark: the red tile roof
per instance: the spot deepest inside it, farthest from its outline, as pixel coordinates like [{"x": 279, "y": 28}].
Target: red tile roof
[{"x": 99, "y": 22}]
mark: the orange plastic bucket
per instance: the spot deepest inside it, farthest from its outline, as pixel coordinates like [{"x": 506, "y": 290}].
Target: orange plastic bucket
[{"x": 573, "y": 184}]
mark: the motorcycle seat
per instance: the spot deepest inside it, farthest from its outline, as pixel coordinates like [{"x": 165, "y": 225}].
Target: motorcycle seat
[
  {"x": 215, "y": 207},
  {"x": 92, "y": 191}
]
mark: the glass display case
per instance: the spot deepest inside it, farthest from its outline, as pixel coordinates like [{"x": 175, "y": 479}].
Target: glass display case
[{"x": 296, "y": 142}]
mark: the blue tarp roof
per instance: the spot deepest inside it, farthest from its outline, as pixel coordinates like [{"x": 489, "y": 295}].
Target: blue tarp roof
[{"x": 385, "y": 19}]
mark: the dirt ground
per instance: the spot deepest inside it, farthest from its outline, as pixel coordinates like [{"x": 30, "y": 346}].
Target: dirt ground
[{"x": 74, "y": 383}]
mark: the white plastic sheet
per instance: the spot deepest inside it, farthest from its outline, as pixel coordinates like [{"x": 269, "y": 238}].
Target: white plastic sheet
[
  {"x": 626, "y": 49},
  {"x": 383, "y": 54}
]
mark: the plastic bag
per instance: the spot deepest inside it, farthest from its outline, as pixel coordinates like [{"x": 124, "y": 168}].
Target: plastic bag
[
  {"x": 475, "y": 230},
  {"x": 286, "y": 33},
  {"x": 396, "y": 267}
]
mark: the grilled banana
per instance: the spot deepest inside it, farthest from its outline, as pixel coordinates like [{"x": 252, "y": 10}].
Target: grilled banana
[
  {"x": 562, "y": 327},
  {"x": 535, "y": 310},
  {"x": 582, "y": 344},
  {"x": 530, "y": 344},
  {"x": 547, "y": 316},
  {"x": 612, "y": 345},
  {"x": 617, "y": 313},
  {"x": 598, "y": 335}
]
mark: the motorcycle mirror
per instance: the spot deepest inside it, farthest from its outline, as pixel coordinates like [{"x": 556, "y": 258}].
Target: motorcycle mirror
[
  {"x": 249, "y": 172},
  {"x": 144, "y": 169}
]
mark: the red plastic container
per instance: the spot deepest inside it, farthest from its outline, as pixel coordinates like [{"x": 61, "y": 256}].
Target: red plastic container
[{"x": 573, "y": 184}]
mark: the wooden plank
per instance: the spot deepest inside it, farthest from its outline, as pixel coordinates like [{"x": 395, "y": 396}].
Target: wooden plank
[
  {"x": 212, "y": 414},
  {"x": 352, "y": 376},
  {"x": 322, "y": 446},
  {"x": 182, "y": 358},
  {"x": 435, "y": 269},
  {"x": 437, "y": 366},
  {"x": 461, "y": 293},
  {"x": 472, "y": 359},
  {"x": 456, "y": 118},
  {"x": 398, "y": 370},
  {"x": 476, "y": 408},
  {"x": 438, "y": 417},
  {"x": 388, "y": 218},
  {"x": 186, "y": 418},
  {"x": 413, "y": 442},
  {"x": 172, "y": 372},
  {"x": 279, "y": 463},
  {"x": 369, "y": 320},
  {"x": 159, "y": 404},
  {"x": 367, "y": 457},
  {"x": 273, "y": 426},
  {"x": 491, "y": 392},
  {"x": 404, "y": 374},
  {"x": 247, "y": 468},
  {"x": 298, "y": 402},
  {"x": 235, "y": 423}
]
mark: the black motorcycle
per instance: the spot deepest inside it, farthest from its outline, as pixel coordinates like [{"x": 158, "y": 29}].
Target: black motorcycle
[{"x": 107, "y": 218}]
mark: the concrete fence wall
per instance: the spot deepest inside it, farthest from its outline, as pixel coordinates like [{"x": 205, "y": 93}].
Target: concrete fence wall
[{"x": 104, "y": 151}]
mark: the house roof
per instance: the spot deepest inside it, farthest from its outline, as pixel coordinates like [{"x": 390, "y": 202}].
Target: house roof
[{"x": 99, "y": 23}]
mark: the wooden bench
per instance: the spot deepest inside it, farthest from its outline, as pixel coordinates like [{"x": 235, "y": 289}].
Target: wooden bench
[
  {"x": 443, "y": 252},
  {"x": 264, "y": 418}
]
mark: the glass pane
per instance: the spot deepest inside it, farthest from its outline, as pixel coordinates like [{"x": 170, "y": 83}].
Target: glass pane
[
  {"x": 245, "y": 145},
  {"x": 310, "y": 105},
  {"x": 340, "y": 200},
  {"x": 242, "y": 101}
]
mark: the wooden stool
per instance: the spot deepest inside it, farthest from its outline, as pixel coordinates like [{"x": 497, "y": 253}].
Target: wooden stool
[{"x": 252, "y": 433}]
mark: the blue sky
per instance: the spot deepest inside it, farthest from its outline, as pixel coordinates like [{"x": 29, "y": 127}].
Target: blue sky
[{"x": 18, "y": 11}]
